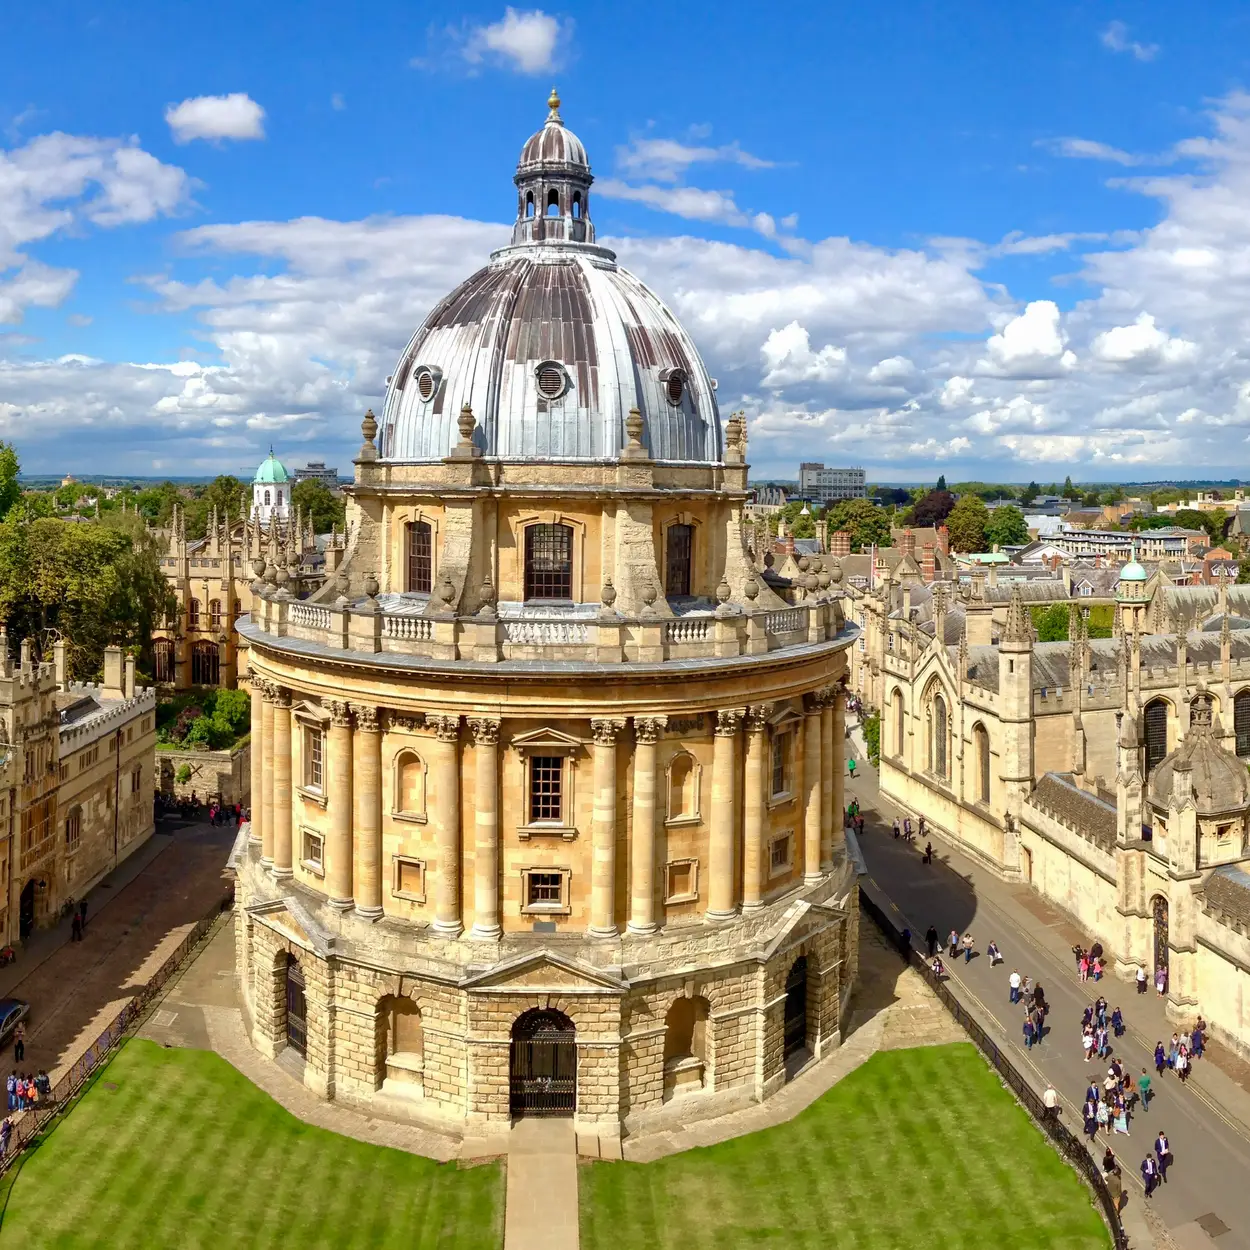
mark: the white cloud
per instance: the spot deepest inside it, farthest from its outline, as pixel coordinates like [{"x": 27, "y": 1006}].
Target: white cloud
[
  {"x": 1115, "y": 37},
  {"x": 667, "y": 160},
  {"x": 691, "y": 202},
  {"x": 1093, "y": 150},
  {"x": 1032, "y": 345},
  {"x": 234, "y": 116},
  {"x": 527, "y": 42},
  {"x": 788, "y": 358},
  {"x": 1142, "y": 345},
  {"x": 337, "y": 102}
]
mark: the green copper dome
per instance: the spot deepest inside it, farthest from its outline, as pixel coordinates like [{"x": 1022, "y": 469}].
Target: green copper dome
[{"x": 271, "y": 472}]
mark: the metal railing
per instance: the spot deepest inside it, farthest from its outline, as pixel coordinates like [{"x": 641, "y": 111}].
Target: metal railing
[
  {"x": 26, "y": 1125},
  {"x": 1071, "y": 1147}
]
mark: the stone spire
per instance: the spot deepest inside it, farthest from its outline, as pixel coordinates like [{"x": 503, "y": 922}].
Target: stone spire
[{"x": 1017, "y": 634}]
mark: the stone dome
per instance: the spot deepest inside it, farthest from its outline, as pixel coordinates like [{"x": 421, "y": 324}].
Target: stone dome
[
  {"x": 1221, "y": 782},
  {"x": 552, "y": 343}
]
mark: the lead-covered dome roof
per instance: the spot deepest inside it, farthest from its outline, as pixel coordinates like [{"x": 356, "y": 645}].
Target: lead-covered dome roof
[
  {"x": 552, "y": 343},
  {"x": 1221, "y": 783}
]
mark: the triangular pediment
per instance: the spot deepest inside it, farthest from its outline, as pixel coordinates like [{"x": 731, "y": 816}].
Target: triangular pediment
[
  {"x": 546, "y": 737},
  {"x": 783, "y": 717},
  {"x": 546, "y": 971},
  {"x": 801, "y": 920},
  {"x": 292, "y": 920}
]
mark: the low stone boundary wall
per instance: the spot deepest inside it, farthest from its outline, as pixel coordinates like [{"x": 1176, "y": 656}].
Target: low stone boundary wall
[{"x": 224, "y": 775}]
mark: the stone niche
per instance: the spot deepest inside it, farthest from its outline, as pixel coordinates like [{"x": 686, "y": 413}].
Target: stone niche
[{"x": 685, "y": 1047}]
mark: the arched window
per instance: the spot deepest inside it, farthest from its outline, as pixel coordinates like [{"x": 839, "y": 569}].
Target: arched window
[
  {"x": 553, "y": 203},
  {"x": 896, "y": 711},
  {"x": 577, "y": 204},
  {"x": 981, "y": 740},
  {"x": 678, "y": 559},
  {"x": 163, "y": 660},
  {"x": 214, "y": 613},
  {"x": 409, "y": 785},
  {"x": 683, "y": 787},
  {"x": 279, "y": 499},
  {"x": 529, "y": 203},
  {"x": 266, "y": 499},
  {"x": 205, "y": 664},
  {"x": 193, "y": 614},
  {"x": 1156, "y": 718},
  {"x": 238, "y": 608},
  {"x": 938, "y": 755},
  {"x": 1241, "y": 722},
  {"x": 548, "y": 561},
  {"x": 419, "y": 539}
]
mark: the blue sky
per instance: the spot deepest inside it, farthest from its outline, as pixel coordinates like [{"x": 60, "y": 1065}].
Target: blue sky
[{"x": 1003, "y": 241}]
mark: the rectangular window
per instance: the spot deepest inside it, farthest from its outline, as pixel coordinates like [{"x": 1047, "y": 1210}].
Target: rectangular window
[
  {"x": 677, "y": 565},
  {"x": 313, "y": 741},
  {"x": 781, "y": 761},
  {"x": 419, "y": 537},
  {"x": 681, "y": 883},
  {"x": 549, "y": 561},
  {"x": 544, "y": 889},
  {"x": 779, "y": 853},
  {"x": 409, "y": 880},
  {"x": 546, "y": 788},
  {"x": 136, "y": 779},
  {"x": 312, "y": 850},
  {"x": 73, "y": 828},
  {"x": 64, "y": 772}
]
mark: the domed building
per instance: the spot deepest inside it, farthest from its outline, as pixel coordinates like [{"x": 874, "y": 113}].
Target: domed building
[
  {"x": 547, "y": 782},
  {"x": 271, "y": 491}
]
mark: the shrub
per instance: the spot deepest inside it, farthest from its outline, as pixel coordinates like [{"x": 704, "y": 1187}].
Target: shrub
[
  {"x": 183, "y": 775},
  {"x": 872, "y": 738}
]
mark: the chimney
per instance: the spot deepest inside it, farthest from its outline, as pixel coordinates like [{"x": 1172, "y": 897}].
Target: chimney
[
  {"x": 787, "y": 544},
  {"x": 840, "y": 543},
  {"x": 907, "y": 544},
  {"x": 928, "y": 563},
  {"x": 60, "y": 664},
  {"x": 27, "y": 654},
  {"x": 1067, "y": 580},
  {"x": 992, "y": 576},
  {"x": 129, "y": 687},
  {"x": 112, "y": 673},
  {"x": 944, "y": 540}
]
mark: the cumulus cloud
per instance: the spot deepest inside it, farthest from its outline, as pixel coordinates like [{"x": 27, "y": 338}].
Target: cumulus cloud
[
  {"x": 1115, "y": 37},
  {"x": 216, "y": 117},
  {"x": 788, "y": 358},
  {"x": 527, "y": 42},
  {"x": 667, "y": 160},
  {"x": 1141, "y": 345},
  {"x": 1032, "y": 345}
]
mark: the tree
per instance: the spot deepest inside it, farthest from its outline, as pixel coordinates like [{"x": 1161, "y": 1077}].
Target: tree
[
  {"x": 227, "y": 494},
  {"x": 1005, "y": 527},
  {"x": 1070, "y": 491},
  {"x": 320, "y": 503},
  {"x": 966, "y": 522},
  {"x": 156, "y": 503},
  {"x": 1243, "y": 572},
  {"x": 1213, "y": 522},
  {"x": 933, "y": 508},
  {"x": 1031, "y": 492},
  {"x": 1114, "y": 495},
  {"x": 10, "y": 488},
  {"x": 867, "y": 523},
  {"x": 1051, "y": 622},
  {"x": 1090, "y": 499},
  {"x": 941, "y": 482}
]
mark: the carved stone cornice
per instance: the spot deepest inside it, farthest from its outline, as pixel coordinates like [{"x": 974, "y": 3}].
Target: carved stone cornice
[
  {"x": 340, "y": 713},
  {"x": 647, "y": 729},
  {"x": 606, "y": 730},
  {"x": 366, "y": 717},
  {"x": 405, "y": 720},
  {"x": 446, "y": 728},
  {"x": 729, "y": 721},
  {"x": 485, "y": 730}
]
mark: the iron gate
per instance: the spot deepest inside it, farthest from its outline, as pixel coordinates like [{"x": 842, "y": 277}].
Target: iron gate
[
  {"x": 296, "y": 1010},
  {"x": 796, "y": 1007},
  {"x": 543, "y": 1066},
  {"x": 1160, "y": 909}
]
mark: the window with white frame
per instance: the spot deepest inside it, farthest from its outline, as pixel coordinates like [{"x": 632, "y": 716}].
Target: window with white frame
[
  {"x": 781, "y": 763},
  {"x": 781, "y": 854},
  {"x": 681, "y": 881},
  {"x": 311, "y": 851},
  {"x": 409, "y": 878},
  {"x": 545, "y": 890},
  {"x": 314, "y": 745}
]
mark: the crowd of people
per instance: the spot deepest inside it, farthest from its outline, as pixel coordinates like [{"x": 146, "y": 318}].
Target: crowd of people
[
  {"x": 190, "y": 807},
  {"x": 26, "y": 1092}
]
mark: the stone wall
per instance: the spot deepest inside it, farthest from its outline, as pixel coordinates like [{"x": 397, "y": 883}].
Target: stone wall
[{"x": 224, "y": 774}]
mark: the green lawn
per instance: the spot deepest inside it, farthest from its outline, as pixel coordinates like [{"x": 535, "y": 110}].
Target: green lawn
[
  {"x": 174, "y": 1149},
  {"x": 918, "y": 1149}
]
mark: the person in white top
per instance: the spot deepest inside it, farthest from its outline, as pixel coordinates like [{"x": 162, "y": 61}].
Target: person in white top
[
  {"x": 1014, "y": 982},
  {"x": 1051, "y": 1099},
  {"x": 1141, "y": 980}
]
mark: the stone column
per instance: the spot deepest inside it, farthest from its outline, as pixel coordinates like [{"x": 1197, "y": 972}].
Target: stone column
[
  {"x": 754, "y": 806},
  {"x": 642, "y": 841},
  {"x": 828, "y": 785},
  {"x": 722, "y": 837},
  {"x": 445, "y": 817},
  {"x": 486, "y": 828},
  {"x": 339, "y": 797},
  {"x": 367, "y": 792},
  {"x": 281, "y": 769},
  {"x": 265, "y": 802},
  {"x": 603, "y": 829},
  {"x": 835, "y": 766},
  {"x": 812, "y": 792},
  {"x": 256, "y": 797}
]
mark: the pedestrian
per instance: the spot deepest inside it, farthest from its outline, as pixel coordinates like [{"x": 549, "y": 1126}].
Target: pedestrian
[
  {"x": 1117, "y": 1022},
  {"x": 10, "y": 1088},
  {"x": 1083, "y": 967},
  {"x": 1115, "y": 1187},
  {"x": 1100, "y": 1010},
  {"x": 936, "y": 966},
  {"x": 952, "y": 940},
  {"x": 82, "y": 912},
  {"x": 907, "y": 827},
  {"x": 928, "y": 852},
  {"x": 1104, "y": 1115},
  {"x": 19, "y": 1042},
  {"x": 6, "y": 1132},
  {"x": 967, "y": 948},
  {"x": 1050, "y": 1099},
  {"x": 1149, "y": 1174},
  {"x": 1108, "y": 1160},
  {"x": 1077, "y": 952},
  {"x": 1091, "y": 1118},
  {"x": 1120, "y": 1123},
  {"x": 75, "y": 928},
  {"x": 994, "y": 954},
  {"x": 1141, "y": 979},
  {"x": 850, "y": 764},
  {"x": 1143, "y": 1086},
  {"x": 930, "y": 934},
  {"x": 1095, "y": 970},
  {"x": 45, "y": 1084},
  {"x": 1028, "y": 1030},
  {"x": 1182, "y": 1064},
  {"x": 1173, "y": 1051},
  {"x": 1100, "y": 1040},
  {"x": 1039, "y": 1019},
  {"x": 1163, "y": 1153},
  {"x": 1014, "y": 982},
  {"x": 1087, "y": 1041},
  {"x": 1039, "y": 996},
  {"x": 1087, "y": 1016},
  {"x": 1199, "y": 1039},
  {"x": 1161, "y": 982},
  {"x": 896, "y": 831},
  {"x": 1161, "y": 1059},
  {"x": 1027, "y": 988}
]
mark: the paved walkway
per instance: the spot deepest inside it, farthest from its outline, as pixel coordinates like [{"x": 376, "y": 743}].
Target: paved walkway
[
  {"x": 541, "y": 1208},
  {"x": 1207, "y": 1122}
]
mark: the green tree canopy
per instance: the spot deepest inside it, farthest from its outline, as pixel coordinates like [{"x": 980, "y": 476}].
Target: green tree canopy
[
  {"x": 320, "y": 503},
  {"x": 1070, "y": 491},
  {"x": 941, "y": 482},
  {"x": 966, "y": 522},
  {"x": 10, "y": 488},
  {"x": 157, "y": 502},
  {"x": 867, "y": 523},
  {"x": 1030, "y": 493},
  {"x": 797, "y": 525},
  {"x": 1243, "y": 572},
  {"x": 1005, "y": 527},
  {"x": 227, "y": 494}
]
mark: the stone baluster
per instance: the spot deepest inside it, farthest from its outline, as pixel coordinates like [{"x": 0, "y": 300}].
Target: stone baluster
[
  {"x": 603, "y": 829},
  {"x": 256, "y": 802},
  {"x": 722, "y": 840},
  {"x": 339, "y": 795},
  {"x": 367, "y": 793},
  {"x": 445, "y": 817},
  {"x": 266, "y": 785},
  {"x": 642, "y": 846},
  {"x": 485, "y": 732},
  {"x": 282, "y": 782},
  {"x": 754, "y": 806},
  {"x": 812, "y": 805}
]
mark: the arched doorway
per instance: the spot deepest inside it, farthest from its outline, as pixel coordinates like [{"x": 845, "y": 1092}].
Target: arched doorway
[
  {"x": 26, "y": 910},
  {"x": 543, "y": 1066},
  {"x": 1159, "y": 909},
  {"x": 796, "y": 1007},
  {"x": 296, "y": 1008}
]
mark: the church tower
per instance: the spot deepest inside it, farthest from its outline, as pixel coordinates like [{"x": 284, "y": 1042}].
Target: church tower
[{"x": 1015, "y": 693}]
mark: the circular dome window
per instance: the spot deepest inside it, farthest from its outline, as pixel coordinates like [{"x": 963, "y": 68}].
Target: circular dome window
[
  {"x": 553, "y": 381},
  {"x": 675, "y": 386},
  {"x": 427, "y": 380}
]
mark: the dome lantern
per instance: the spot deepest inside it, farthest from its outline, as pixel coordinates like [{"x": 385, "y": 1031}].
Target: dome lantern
[{"x": 553, "y": 185}]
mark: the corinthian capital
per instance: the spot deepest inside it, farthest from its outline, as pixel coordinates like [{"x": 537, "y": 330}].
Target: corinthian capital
[
  {"x": 757, "y": 717},
  {"x": 366, "y": 717},
  {"x": 340, "y": 713},
  {"x": 647, "y": 729},
  {"x": 485, "y": 730},
  {"x": 729, "y": 721},
  {"x": 446, "y": 728},
  {"x": 606, "y": 730}
]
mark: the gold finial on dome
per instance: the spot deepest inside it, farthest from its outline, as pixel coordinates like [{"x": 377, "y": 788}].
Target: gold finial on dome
[{"x": 553, "y": 103}]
